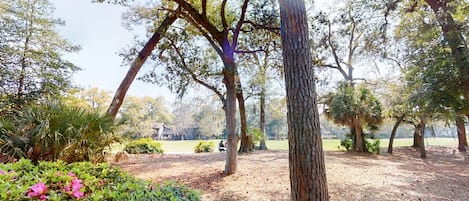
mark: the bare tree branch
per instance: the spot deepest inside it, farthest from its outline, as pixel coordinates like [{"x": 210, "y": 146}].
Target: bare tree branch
[
  {"x": 248, "y": 51},
  {"x": 223, "y": 17},
  {"x": 240, "y": 24},
  {"x": 204, "y": 9},
  {"x": 259, "y": 26},
  {"x": 203, "y": 32},
  {"x": 199, "y": 19},
  {"x": 192, "y": 74},
  {"x": 334, "y": 52}
]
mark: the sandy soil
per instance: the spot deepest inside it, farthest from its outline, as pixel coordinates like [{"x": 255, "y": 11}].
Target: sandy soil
[{"x": 263, "y": 175}]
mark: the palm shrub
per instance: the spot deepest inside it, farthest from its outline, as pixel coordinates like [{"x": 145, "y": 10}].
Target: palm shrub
[
  {"x": 12, "y": 146},
  {"x": 204, "y": 146},
  {"x": 143, "y": 146},
  {"x": 355, "y": 107},
  {"x": 53, "y": 130}
]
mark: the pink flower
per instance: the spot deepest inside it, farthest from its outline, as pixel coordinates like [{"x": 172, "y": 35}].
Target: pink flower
[
  {"x": 38, "y": 189},
  {"x": 76, "y": 184},
  {"x": 67, "y": 188},
  {"x": 75, "y": 188},
  {"x": 2, "y": 172},
  {"x": 78, "y": 194},
  {"x": 72, "y": 174}
]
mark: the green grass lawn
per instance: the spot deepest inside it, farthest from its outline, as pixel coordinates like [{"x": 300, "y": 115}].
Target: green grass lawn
[{"x": 187, "y": 146}]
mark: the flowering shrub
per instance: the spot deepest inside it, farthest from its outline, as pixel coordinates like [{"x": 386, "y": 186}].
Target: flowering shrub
[
  {"x": 81, "y": 181},
  {"x": 38, "y": 190}
]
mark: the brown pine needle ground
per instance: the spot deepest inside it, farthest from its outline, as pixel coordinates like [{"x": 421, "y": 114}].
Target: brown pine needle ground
[{"x": 263, "y": 175}]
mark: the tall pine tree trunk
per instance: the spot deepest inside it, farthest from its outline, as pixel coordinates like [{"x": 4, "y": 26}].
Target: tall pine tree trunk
[
  {"x": 137, "y": 64},
  {"x": 461, "y": 134},
  {"x": 306, "y": 157},
  {"x": 23, "y": 63},
  {"x": 393, "y": 132}
]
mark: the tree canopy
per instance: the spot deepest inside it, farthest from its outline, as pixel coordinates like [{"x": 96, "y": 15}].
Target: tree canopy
[{"x": 31, "y": 53}]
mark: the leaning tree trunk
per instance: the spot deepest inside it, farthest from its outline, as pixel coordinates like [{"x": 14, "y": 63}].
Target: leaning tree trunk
[
  {"x": 137, "y": 64},
  {"x": 456, "y": 42},
  {"x": 245, "y": 146},
  {"x": 306, "y": 157},
  {"x": 393, "y": 133},
  {"x": 461, "y": 134}
]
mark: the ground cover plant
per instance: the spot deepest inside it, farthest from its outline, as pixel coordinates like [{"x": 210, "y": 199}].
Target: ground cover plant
[{"x": 61, "y": 181}]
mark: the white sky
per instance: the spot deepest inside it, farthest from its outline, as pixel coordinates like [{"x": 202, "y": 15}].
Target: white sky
[{"x": 97, "y": 28}]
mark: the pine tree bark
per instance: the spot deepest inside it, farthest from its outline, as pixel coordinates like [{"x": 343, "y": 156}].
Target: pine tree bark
[
  {"x": 306, "y": 157},
  {"x": 393, "y": 132},
  {"x": 137, "y": 64}
]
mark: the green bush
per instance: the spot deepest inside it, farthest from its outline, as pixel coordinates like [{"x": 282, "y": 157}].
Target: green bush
[
  {"x": 53, "y": 131},
  {"x": 254, "y": 135},
  {"x": 143, "y": 146},
  {"x": 60, "y": 181},
  {"x": 347, "y": 143},
  {"x": 373, "y": 147},
  {"x": 204, "y": 146}
]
